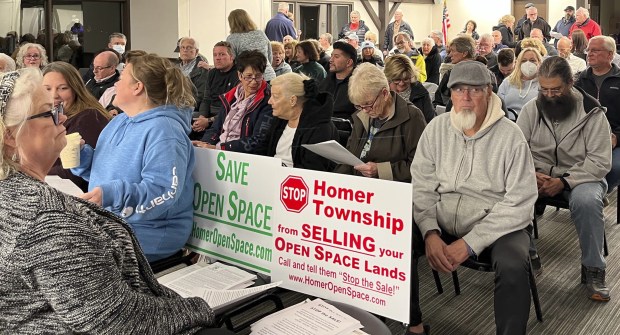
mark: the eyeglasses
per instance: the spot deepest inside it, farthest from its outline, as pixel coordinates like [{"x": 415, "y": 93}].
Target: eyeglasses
[
  {"x": 32, "y": 56},
  {"x": 54, "y": 113},
  {"x": 100, "y": 68},
  {"x": 474, "y": 91},
  {"x": 257, "y": 78},
  {"x": 550, "y": 91},
  {"x": 594, "y": 51},
  {"x": 402, "y": 80},
  {"x": 368, "y": 107},
  {"x": 187, "y": 47}
]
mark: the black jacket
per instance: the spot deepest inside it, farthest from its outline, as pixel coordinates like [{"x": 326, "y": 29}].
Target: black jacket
[
  {"x": 217, "y": 83},
  {"x": 343, "y": 108},
  {"x": 315, "y": 126},
  {"x": 433, "y": 62},
  {"x": 97, "y": 89},
  {"x": 198, "y": 76},
  {"x": 324, "y": 61},
  {"x": 608, "y": 95},
  {"x": 508, "y": 38},
  {"x": 540, "y": 23},
  {"x": 422, "y": 99}
]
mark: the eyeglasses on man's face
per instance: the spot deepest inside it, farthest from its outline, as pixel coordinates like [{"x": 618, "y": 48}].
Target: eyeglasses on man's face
[
  {"x": 101, "y": 68},
  {"x": 370, "y": 106},
  {"x": 187, "y": 48},
  {"x": 54, "y": 113},
  {"x": 474, "y": 91},
  {"x": 32, "y": 56},
  {"x": 550, "y": 91}
]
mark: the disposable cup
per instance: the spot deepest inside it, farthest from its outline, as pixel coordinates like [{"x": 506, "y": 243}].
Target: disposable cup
[{"x": 70, "y": 155}]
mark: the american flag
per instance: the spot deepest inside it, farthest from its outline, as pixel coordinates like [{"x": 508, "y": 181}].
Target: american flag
[{"x": 445, "y": 23}]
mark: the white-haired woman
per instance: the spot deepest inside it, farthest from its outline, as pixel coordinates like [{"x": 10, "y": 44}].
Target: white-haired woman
[
  {"x": 67, "y": 265},
  {"x": 386, "y": 128},
  {"x": 304, "y": 117},
  {"x": 31, "y": 55},
  {"x": 432, "y": 59}
]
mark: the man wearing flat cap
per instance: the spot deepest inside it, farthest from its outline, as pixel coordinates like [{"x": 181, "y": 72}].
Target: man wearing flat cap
[{"x": 474, "y": 194}]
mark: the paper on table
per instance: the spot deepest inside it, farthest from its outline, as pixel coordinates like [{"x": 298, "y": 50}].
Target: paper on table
[
  {"x": 556, "y": 35},
  {"x": 312, "y": 318},
  {"x": 218, "y": 299},
  {"x": 215, "y": 277},
  {"x": 63, "y": 185},
  {"x": 334, "y": 151}
]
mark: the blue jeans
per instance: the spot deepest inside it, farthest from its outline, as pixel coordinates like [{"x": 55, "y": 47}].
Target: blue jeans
[
  {"x": 586, "y": 209},
  {"x": 613, "y": 177}
]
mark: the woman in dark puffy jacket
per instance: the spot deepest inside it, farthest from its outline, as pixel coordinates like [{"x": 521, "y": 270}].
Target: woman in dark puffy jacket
[{"x": 506, "y": 23}]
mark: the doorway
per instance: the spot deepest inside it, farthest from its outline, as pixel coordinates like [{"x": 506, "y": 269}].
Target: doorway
[{"x": 309, "y": 21}]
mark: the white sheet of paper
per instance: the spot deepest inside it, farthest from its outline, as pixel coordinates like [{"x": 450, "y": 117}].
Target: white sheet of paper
[
  {"x": 556, "y": 35},
  {"x": 215, "y": 276},
  {"x": 311, "y": 318},
  {"x": 334, "y": 151},
  {"x": 221, "y": 298},
  {"x": 63, "y": 185}
]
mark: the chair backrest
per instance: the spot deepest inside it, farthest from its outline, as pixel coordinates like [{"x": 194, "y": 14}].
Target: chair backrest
[
  {"x": 440, "y": 109},
  {"x": 372, "y": 324},
  {"x": 431, "y": 88},
  {"x": 344, "y": 130}
]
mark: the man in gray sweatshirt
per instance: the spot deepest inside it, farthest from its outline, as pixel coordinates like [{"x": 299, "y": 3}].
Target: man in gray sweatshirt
[
  {"x": 474, "y": 193},
  {"x": 570, "y": 140}
]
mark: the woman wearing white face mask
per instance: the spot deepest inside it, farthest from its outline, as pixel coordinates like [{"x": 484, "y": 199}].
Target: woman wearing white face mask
[{"x": 522, "y": 85}]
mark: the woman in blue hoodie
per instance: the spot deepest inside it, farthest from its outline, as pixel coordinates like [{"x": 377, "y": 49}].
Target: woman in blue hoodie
[{"x": 142, "y": 168}]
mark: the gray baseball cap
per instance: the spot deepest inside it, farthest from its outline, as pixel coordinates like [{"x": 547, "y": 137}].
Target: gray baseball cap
[{"x": 469, "y": 73}]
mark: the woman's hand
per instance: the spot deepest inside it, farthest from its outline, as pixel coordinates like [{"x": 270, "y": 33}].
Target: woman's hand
[
  {"x": 200, "y": 124},
  {"x": 201, "y": 144},
  {"x": 95, "y": 196},
  {"x": 368, "y": 170}
]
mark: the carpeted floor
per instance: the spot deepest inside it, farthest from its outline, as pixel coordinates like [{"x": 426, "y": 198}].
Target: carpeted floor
[{"x": 566, "y": 309}]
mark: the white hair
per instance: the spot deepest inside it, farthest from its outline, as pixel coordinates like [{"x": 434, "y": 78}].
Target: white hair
[
  {"x": 487, "y": 37},
  {"x": 282, "y": 6},
  {"x": 193, "y": 41},
  {"x": 608, "y": 42},
  {"x": 428, "y": 40},
  {"x": 584, "y": 11},
  {"x": 17, "y": 110},
  {"x": 9, "y": 63}
]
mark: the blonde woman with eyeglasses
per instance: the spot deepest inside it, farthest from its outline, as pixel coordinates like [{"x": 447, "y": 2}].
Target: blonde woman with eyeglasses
[{"x": 386, "y": 128}]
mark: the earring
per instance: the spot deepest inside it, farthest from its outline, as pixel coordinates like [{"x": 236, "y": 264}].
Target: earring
[{"x": 15, "y": 157}]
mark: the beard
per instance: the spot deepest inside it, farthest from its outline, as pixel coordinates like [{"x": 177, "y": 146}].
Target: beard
[
  {"x": 557, "y": 108},
  {"x": 463, "y": 120}
]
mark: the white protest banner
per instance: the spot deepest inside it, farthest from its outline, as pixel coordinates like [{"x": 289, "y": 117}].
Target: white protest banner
[
  {"x": 234, "y": 197},
  {"x": 345, "y": 238}
]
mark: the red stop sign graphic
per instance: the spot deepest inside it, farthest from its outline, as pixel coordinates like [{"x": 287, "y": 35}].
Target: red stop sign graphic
[{"x": 294, "y": 194}]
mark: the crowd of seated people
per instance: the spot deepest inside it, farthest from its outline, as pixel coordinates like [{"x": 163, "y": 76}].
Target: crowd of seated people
[{"x": 270, "y": 98}]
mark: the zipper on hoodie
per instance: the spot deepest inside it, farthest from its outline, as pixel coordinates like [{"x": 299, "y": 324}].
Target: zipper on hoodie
[{"x": 458, "y": 173}]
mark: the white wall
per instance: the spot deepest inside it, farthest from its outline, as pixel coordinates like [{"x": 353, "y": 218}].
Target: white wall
[
  {"x": 207, "y": 21},
  {"x": 154, "y": 26}
]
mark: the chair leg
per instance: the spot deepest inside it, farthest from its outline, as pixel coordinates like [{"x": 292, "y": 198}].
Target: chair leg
[
  {"x": 438, "y": 282},
  {"x": 535, "y": 298},
  {"x": 535, "y": 223},
  {"x": 605, "y": 249},
  {"x": 455, "y": 281},
  {"x": 618, "y": 205}
]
